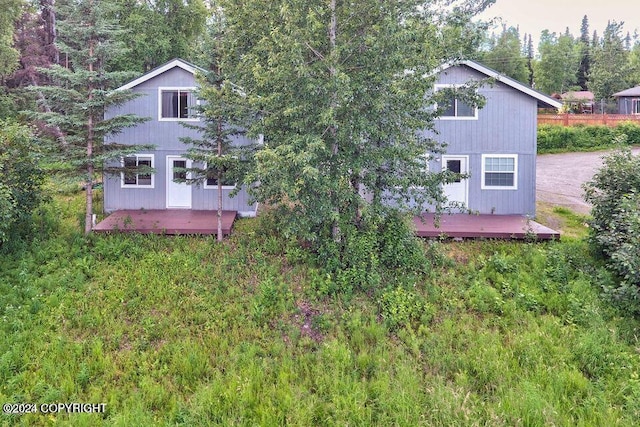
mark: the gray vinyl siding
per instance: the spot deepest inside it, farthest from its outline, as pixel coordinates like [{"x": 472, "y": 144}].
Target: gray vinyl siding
[
  {"x": 625, "y": 104},
  {"x": 507, "y": 124},
  {"x": 165, "y": 136}
]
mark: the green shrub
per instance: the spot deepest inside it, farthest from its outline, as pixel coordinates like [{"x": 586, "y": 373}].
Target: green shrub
[
  {"x": 382, "y": 246},
  {"x": 20, "y": 179},
  {"x": 400, "y": 307},
  {"x": 399, "y": 246},
  {"x": 554, "y": 138},
  {"x": 614, "y": 193}
]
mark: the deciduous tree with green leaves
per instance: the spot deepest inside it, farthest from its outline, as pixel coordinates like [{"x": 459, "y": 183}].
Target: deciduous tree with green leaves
[
  {"x": 556, "y": 71},
  {"x": 9, "y": 13},
  {"x": 505, "y": 54},
  {"x": 159, "y": 31},
  {"x": 344, "y": 90},
  {"x": 78, "y": 96},
  {"x": 20, "y": 177}
]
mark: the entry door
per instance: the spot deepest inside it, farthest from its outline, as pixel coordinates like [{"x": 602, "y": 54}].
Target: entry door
[
  {"x": 457, "y": 191},
  {"x": 178, "y": 194}
]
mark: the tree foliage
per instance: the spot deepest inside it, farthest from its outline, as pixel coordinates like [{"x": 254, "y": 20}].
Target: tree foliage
[
  {"x": 505, "y": 54},
  {"x": 585, "y": 54},
  {"x": 614, "y": 193},
  {"x": 342, "y": 88},
  {"x": 78, "y": 96},
  {"x": 20, "y": 178},
  {"x": 610, "y": 66},
  {"x": 222, "y": 154},
  {"x": 556, "y": 71},
  {"x": 158, "y": 31},
  {"x": 9, "y": 13}
]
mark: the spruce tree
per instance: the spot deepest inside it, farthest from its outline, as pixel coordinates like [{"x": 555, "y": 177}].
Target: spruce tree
[
  {"x": 530, "y": 72},
  {"x": 610, "y": 68},
  {"x": 585, "y": 55},
  {"x": 78, "y": 95},
  {"x": 221, "y": 156}
]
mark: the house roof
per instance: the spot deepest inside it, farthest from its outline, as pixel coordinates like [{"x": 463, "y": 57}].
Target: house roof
[
  {"x": 581, "y": 95},
  {"x": 177, "y": 62},
  {"x": 634, "y": 91},
  {"x": 544, "y": 101}
]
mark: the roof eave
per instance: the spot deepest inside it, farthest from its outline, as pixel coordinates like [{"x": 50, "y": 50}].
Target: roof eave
[
  {"x": 162, "y": 69},
  {"x": 543, "y": 100}
]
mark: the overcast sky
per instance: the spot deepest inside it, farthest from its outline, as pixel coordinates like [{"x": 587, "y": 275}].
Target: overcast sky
[{"x": 533, "y": 16}]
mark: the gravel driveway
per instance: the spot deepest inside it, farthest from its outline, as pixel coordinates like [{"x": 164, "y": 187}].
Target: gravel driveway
[{"x": 560, "y": 177}]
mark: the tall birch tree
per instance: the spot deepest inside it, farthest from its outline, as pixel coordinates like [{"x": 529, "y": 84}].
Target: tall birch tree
[{"x": 344, "y": 90}]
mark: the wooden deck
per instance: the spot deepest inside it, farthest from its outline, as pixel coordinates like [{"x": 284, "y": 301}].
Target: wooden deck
[
  {"x": 169, "y": 221},
  {"x": 482, "y": 226}
]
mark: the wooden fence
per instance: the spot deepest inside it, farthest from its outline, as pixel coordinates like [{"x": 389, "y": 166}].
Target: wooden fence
[{"x": 587, "y": 119}]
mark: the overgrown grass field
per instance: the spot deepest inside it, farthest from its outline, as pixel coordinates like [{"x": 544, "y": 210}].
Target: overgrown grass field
[{"x": 186, "y": 331}]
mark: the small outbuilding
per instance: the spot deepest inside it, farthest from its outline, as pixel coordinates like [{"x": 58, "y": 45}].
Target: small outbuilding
[
  {"x": 628, "y": 101},
  {"x": 578, "y": 102}
]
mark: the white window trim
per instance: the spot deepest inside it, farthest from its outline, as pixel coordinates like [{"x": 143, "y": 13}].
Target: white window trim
[
  {"x": 175, "y": 119},
  {"x": 635, "y": 106},
  {"x": 515, "y": 172},
  {"x": 153, "y": 175},
  {"x": 451, "y": 85},
  {"x": 463, "y": 171},
  {"x": 215, "y": 187}
]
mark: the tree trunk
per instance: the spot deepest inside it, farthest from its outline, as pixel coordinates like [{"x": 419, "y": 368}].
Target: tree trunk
[
  {"x": 333, "y": 30},
  {"x": 48, "y": 14},
  {"x": 220, "y": 200},
  {"x": 88, "y": 224}
]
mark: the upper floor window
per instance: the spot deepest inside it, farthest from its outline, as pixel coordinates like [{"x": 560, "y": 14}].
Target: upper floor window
[
  {"x": 455, "y": 108},
  {"x": 177, "y": 104}
]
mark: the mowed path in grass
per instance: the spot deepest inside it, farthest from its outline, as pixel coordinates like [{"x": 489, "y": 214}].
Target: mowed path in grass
[{"x": 559, "y": 178}]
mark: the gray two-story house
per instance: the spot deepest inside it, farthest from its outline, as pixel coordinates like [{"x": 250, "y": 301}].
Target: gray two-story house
[
  {"x": 167, "y": 97},
  {"x": 494, "y": 145}
]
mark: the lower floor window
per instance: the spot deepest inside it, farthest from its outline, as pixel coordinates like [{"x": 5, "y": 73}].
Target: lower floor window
[
  {"x": 499, "y": 171},
  {"x": 226, "y": 183},
  {"x": 132, "y": 177}
]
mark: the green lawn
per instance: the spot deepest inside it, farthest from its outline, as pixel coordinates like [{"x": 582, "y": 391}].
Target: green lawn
[{"x": 186, "y": 331}]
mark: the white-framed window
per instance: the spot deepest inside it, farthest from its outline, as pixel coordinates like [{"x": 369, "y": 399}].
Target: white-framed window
[
  {"x": 176, "y": 103},
  {"x": 499, "y": 171},
  {"x": 212, "y": 183},
  {"x": 137, "y": 180},
  {"x": 635, "y": 106},
  {"x": 456, "y": 109}
]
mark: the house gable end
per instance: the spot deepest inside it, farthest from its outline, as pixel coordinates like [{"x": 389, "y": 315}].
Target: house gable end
[
  {"x": 179, "y": 63},
  {"x": 486, "y": 72}
]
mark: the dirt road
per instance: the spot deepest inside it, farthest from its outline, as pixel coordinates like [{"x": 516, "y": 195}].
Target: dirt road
[{"x": 560, "y": 177}]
